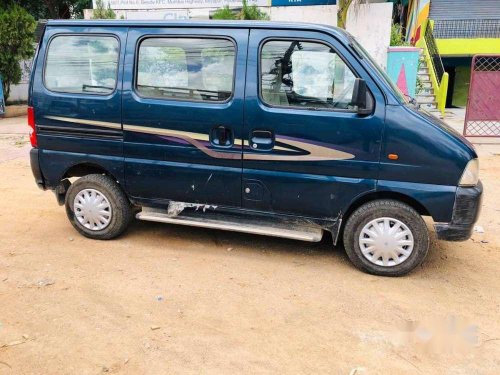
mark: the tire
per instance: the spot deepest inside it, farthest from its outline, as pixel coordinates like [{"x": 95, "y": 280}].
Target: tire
[
  {"x": 397, "y": 256},
  {"x": 103, "y": 191}
]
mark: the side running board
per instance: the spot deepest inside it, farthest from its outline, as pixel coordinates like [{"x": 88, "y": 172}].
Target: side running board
[{"x": 296, "y": 229}]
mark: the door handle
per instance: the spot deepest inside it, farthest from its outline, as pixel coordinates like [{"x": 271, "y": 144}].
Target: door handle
[
  {"x": 261, "y": 140},
  {"x": 221, "y": 136}
]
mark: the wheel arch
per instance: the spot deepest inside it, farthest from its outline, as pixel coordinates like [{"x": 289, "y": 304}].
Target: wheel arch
[
  {"x": 78, "y": 169},
  {"x": 410, "y": 201},
  {"x": 81, "y": 169},
  {"x": 376, "y": 195}
]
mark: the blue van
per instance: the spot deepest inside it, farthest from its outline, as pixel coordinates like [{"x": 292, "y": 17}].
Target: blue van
[{"x": 279, "y": 129}]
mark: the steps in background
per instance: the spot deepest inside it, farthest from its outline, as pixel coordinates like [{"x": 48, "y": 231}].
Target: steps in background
[{"x": 426, "y": 96}]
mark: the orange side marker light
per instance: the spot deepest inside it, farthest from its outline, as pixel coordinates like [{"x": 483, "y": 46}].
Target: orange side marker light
[{"x": 393, "y": 156}]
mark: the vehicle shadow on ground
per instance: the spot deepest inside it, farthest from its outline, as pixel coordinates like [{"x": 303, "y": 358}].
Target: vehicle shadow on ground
[
  {"x": 227, "y": 239},
  {"x": 212, "y": 240}
]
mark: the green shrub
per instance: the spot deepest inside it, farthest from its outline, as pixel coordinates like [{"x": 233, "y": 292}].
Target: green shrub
[
  {"x": 101, "y": 12},
  {"x": 247, "y": 12},
  {"x": 224, "y": 14},
  {"x": 17, "y": 33},
  {"x": 397, "y": 38}
]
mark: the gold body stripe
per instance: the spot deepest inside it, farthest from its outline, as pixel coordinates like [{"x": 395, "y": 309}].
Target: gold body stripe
[
  {"x": 104, "y": 124},
  {"x": 315, "y": 152}
]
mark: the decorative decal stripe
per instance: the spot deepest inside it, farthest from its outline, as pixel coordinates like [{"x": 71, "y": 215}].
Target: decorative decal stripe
[
  {"x": 315, "y": 152},
  {"x": 104, "y": 124},
  {"x": 276, "y": 147},
  {"x": 192, "y": 138},
  {"x": 302, "y": 149},
  {"x": 166, "y": 132}
]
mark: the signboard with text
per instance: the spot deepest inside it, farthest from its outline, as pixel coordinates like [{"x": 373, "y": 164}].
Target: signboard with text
[
  {"x": 165, "y": 14},
  {"x": 177, "y": 4},
  {"x": 287, "y": 3}
]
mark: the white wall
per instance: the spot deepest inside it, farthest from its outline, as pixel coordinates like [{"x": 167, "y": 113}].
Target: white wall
[
  {"x": 324, "y": 14},
  {"x": 370, "y": 24},
  {"x": 19, "y": 92}
]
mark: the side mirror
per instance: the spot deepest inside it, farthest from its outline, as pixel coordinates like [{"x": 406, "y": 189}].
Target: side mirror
[{"x": 361, "y": 98}]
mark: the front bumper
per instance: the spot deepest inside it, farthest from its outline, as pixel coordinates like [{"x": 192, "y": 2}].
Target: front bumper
[{"x": 465, "y": 213}]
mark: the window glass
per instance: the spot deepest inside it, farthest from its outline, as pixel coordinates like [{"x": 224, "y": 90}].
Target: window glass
[
  {"x": 186, "y": 69},
  {"x": 306, "y": 75},
  {"x": 82, "y": 64}
]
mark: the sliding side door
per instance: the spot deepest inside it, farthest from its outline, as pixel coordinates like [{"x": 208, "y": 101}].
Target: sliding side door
[{"x": 183, "y": 114}]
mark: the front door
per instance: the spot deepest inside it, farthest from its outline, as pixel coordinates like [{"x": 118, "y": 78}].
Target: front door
[
  {"x": 307, "y": 152},
  {"x": 183, "y": 114}
]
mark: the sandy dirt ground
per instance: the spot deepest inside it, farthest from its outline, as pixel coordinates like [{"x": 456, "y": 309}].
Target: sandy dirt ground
[{"x": 164, "y": 299}]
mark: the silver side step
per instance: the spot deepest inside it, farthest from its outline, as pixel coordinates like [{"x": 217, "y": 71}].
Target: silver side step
[{"x": 302, "y": 230}]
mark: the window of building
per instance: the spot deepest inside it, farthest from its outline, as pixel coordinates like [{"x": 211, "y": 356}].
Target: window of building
[
  {"x": 304, "y": 74},
  {"x": 84, "y": 64},
  {"x": 198, "y": 69}
]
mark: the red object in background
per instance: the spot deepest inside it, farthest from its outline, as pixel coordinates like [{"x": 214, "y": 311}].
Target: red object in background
[
  {"x": 415, "y": 38},
  {"x": 482, "y": 116},
  {"x": 31, "y": 123}
]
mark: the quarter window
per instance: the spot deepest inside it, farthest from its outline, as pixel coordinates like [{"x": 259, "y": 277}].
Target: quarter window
[
  {"x": 304, "y": 74},
  {"x": 197, "y": 69},
  {"x": 85, "y": 64}
]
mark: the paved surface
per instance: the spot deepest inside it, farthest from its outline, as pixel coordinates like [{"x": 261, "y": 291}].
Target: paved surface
[
  {"x": 14, "y": 138},
  {"x": 164, "y": 299},
  {"x": 455, "y": 117}
]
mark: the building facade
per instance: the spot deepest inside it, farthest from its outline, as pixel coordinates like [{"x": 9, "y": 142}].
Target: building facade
[
  {"x": 369, "y": 23},
  {"x": 461, "y": 29}
]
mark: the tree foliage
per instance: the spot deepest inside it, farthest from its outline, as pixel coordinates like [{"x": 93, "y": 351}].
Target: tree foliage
[
  {"x": 17, "y": 31},
  {"x": 224, "y": 13},
  {"x": 397, "y": 37},
  {"x": 101, "y": 12},
  {"x": 247, "y": 12},
  {"x": 54, "y": 9}
]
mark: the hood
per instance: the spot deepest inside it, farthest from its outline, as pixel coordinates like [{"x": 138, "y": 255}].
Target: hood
[{"x": 446, "y": 128}]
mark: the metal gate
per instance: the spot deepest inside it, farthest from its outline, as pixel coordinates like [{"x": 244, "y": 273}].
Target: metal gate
[{"x": 482, "y": 118}]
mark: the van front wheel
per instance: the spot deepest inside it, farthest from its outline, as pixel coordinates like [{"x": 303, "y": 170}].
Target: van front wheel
[
  {"x": 97, "y": 207},
  {"x": 386, "y": 237}
]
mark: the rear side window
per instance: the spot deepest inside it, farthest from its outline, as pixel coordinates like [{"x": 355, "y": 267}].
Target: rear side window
[
  {"x": 305, "y": 74},
  {"x": 84, "y": 64},
  {"x": 198, "y": 69}
]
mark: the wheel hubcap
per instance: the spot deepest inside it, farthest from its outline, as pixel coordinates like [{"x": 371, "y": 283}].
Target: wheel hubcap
[
  {"x": 386, "y": 241},
  {"x": 92, "y": 209}
]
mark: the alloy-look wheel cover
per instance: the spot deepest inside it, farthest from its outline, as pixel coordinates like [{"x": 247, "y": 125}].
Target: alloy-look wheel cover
[
  {"x": 92, "y": 209},
  {"x": 386, "y": 242}
]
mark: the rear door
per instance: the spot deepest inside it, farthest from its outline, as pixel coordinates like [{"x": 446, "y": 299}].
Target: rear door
[
  {"x": 183, "y": 114},
  {"x": 307, "y": 152}
]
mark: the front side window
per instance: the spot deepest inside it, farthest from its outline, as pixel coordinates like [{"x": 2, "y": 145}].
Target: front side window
[
  {"x": 198, "y": 69},
  {"x": 308, "y": 75},
  {"x": 85, "y": 64}
]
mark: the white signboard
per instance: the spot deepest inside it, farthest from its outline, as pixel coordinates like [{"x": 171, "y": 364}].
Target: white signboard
[
  {"x": 177, "y": 4},
  {"x": 169, "y": 15}
]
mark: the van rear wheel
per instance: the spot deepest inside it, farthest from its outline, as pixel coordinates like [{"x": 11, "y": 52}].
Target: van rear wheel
[
  {"x": 386, "y": 237},
  {"x": 97, "y": 207}
]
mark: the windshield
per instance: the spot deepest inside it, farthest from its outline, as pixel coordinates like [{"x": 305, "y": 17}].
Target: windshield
[{"x": 366, "y": 56}]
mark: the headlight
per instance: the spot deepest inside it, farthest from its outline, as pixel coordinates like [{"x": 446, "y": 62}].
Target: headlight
[{"x": 470, "y": 177}]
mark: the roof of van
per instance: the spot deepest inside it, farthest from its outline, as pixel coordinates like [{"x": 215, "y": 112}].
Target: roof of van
[{"x": 340, "y": 33}]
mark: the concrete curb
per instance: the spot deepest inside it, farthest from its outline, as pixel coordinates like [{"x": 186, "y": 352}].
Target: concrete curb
[{"x": 15, "y": 110}]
